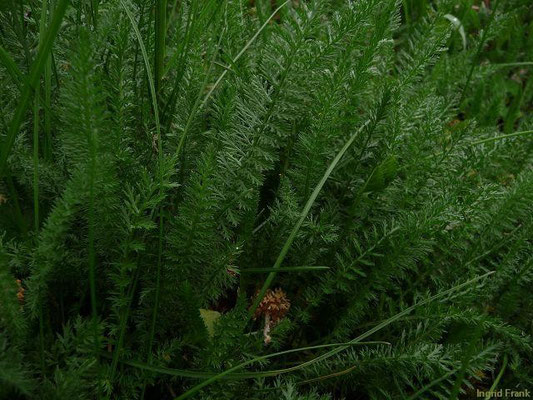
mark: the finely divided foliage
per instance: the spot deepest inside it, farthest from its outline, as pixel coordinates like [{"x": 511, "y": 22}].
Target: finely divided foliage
[{"x": 165, "y": 164}]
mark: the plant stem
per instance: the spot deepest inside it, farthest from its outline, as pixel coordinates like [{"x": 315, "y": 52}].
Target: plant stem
[
  {"x": 48, "y": 99},
  {"x": 405, "y": 7},
  {"x": 497, "y": 380},
  {"x": 495, "y": 138},
  {"x": 160, "y": 42},
  {"x": 36, "y": 161},
  {"x": 92, "y": 254},
  {"x": 478, "y": 52},
  {"x": 153, "y": 93},
  {"x": 94, "y": 12},
  {"x": 284, "y": 269},
  {"x": 35, "y": 73}
]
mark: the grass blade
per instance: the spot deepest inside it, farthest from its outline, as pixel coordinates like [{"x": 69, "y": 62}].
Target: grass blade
[
  {"x": 153, "y": 94},
  {"x": 36, "y": 207},
  {"x": 513, "y": 64},
  {"x": 36, "y": 121},
  {"x": 328, "y": 376},
  {"x": 497, "y": 380},
  {"x": 239, "y": 55},
  {"x": 340, "y": 348},
  {"x": 92, "y": 254},
  {"x": 433, "y": 383},
  {"x": 47, "y": 89},
  {"x": 36, "y": 108},
  {"x": 303, "y": 216},
  {"x": 492, "y": 139},
  {"x": 478, "y": 51},
  {"x": 160, "y": 35},
  {"x": 199, "y": 104},
  {"x": 16, "y": 75},
  {"x": 35, "y": 73},
  {"x": 184, "y": 373},
  {"x": 283, "y": 269},
  {"x": 11, "y": 67},
  {"x": 444, "y": 377},
  {"x": 94, "y": 12}
]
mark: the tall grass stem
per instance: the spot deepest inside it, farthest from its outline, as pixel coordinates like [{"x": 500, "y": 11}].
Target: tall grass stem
[
  {"x": 303, "y": 216},
  {"x": 34, "y": 76}
]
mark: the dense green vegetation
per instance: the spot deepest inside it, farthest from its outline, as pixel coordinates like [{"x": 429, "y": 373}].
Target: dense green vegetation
[{"x": 235, "y": 199}]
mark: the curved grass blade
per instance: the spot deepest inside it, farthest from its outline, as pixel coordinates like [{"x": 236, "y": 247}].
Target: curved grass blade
[
  {"x": 122, "y": 326},
  {"x": 513, "y": 64},
  {"x": 478, "y": 51},
  {"x": 438, "y": 380},
  {"x": 36, "y": 211},
  {"x": 433, "y": 383},
  {"x": 36, "y": 121},
  {"x": 302, "y": 218},
  {"x": 180, "y": 55},
  {"x": 497, "y": 380},
  {"x": 34, "y": 76},
  {"x": 47, "y": 77},
  {"x": 11, "y": 67},
  {"x": 16, "y": 75},
  {"x": 196, "y": 106},
  {"x": 329, "y": 376},
  {"x": 492, "y": 139},
  {"x": 341, "y": 348},
  {"x": 239, "y": 375},
  {"x": 160, "y": 43},
  {"x": 153, "y": 94},
  {"x": 199, "y": 103},
  {"x": 243, "y": 50},
  {"x": 283, "y": 269}
]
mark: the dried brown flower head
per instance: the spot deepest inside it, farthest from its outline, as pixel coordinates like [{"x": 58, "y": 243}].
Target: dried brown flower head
[
  {"x": 273, "y": 307},
  {"x": 3, "y": 199},
  {"x": 20, "y": 292}
]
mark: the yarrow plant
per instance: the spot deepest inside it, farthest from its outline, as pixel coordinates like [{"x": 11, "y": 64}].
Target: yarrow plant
[{"x": 235, "y": 199}]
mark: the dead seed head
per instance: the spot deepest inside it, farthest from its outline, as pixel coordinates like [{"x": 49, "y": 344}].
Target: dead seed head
[
  {"x": 275, "y": 304},
  {"x": 20, "y": 291}
]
